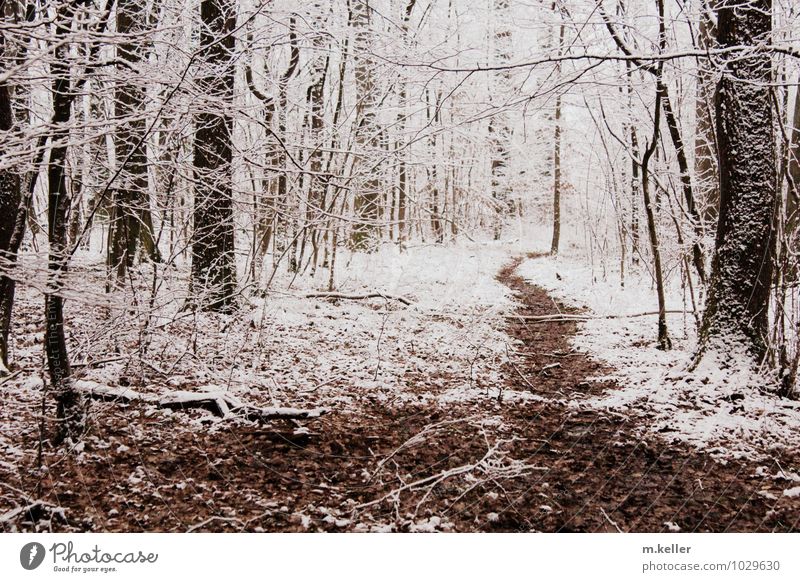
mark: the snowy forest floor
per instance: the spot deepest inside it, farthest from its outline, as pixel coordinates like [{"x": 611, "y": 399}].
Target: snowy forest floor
[{"x": 454, "y": 414}]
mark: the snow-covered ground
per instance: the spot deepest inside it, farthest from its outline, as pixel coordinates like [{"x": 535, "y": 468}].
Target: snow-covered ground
[
  {"x": 450, "y": 335},
  {"x": 720, "y": 406},
  {"x": 283, "y": 349},
  {"x": 287, "y": 350}
]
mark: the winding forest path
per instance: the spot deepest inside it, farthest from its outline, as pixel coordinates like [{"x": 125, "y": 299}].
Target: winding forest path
[
  {"x": 529, "y": 455},
  {"x": 602, "y": 474}
]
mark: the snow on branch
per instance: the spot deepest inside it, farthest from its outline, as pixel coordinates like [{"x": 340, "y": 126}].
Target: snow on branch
[
  {"x": 357, "y": 296},
  {"x": 563, "y": 317}
]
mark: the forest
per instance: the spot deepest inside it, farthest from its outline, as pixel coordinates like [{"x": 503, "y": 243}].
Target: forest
[{"x": 399, "y": 265}]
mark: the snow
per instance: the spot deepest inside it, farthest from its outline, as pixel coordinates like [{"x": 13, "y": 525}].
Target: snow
[
  {"x": 430, "y": 525},
  {"x": 450, "y": 336},
  {"x": 283, "y": 352},
  {"x": 793, "y": 492},
  {"x": 722, "y": 406}
]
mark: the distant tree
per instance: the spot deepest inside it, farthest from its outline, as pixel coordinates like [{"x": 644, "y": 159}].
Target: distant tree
[
  {"x": 367, "y": 195},
  {"x": 131, "y": 222},
  {"x": 499, "y": 126},
  {"x": 554, "y": 242},
  {"x": 402, "y": 169},
  {"x": 705, "y": 165}
]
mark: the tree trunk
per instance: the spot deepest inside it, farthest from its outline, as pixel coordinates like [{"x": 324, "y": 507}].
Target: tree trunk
[
  {"x": 664, "y": 342},
  {"x": 686, "y": 182},
  {"x": 124, "y": 225},
  {"x": 556, "y": 180},
  {"x": 368, "y": 187},
  {"x": 280, "y": 205},
  {"x": 792, "y": 207},
  {"x": 213, "y": 259},
  {"x": 402, "y": 170},
  {"x": 705, "y": 146},
  {"x": 316, "y": 97},
  {"x": 70, "y": 404},
  {"x": 499, "y": 127},
  {"x": 557, "y": 159},
  {"x": 10, "y": 199},
  {"x": 738, "y": 300},
  {"x": 434, "y": 121}
]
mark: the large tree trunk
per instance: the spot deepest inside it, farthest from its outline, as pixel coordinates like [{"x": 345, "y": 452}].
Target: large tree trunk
[
  {"x": 738, "y": 300},
  {"x": 213, "y": 259},
  {"x": 10, "y": 199}
]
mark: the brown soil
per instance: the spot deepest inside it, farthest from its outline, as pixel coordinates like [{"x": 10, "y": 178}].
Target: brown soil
[{"x": 593, "y": 471}]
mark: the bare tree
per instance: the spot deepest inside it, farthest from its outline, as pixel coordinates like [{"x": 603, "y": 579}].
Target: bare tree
[
  {"x": 213, "y": 259},
  {"x": 557, "y": 151},
  {"x": 367, "y": 195},
  {"x": 131, "y": 222},
  {"x": 499, "y": 128},
  {"x": 705, "y": 156}
]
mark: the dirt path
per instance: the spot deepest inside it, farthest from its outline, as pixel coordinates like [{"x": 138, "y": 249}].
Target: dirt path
[
  {"x": 601, "y": 475},
  {"x": 410, "y": 466}
]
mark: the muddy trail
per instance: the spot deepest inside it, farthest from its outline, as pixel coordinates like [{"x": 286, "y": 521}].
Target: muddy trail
[{"x": 540, "y": 463}]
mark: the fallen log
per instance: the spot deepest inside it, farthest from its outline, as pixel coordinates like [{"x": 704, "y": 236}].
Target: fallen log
[
  {"x": 357, "y": 296},
  {"x": 108, "y": 393},
  {"x": 219, "y": 404}
]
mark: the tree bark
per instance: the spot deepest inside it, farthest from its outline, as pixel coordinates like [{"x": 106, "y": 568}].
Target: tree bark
[
  {"x": 280, "y": 205},
  {"x": 131, "y": 195},
  {"x": 213, "y": 259},
  {"x": 557, "y": 155},
  {"x": 70, "y": 404},
  {"x": 705, "y": 146},
  {"x": 368, "y": 187},
  {"x": 499, "y": 128},
  {"x": 556, "y": 178},
  {"x": 10, "y": 200},
  {"x": 738, "y": 300},
  {"x": 792, "y": 207},
  {"x": 664, "y": 342},
  {"x": 316, "y": 97},
  {"x": 402, "y": 170}
]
